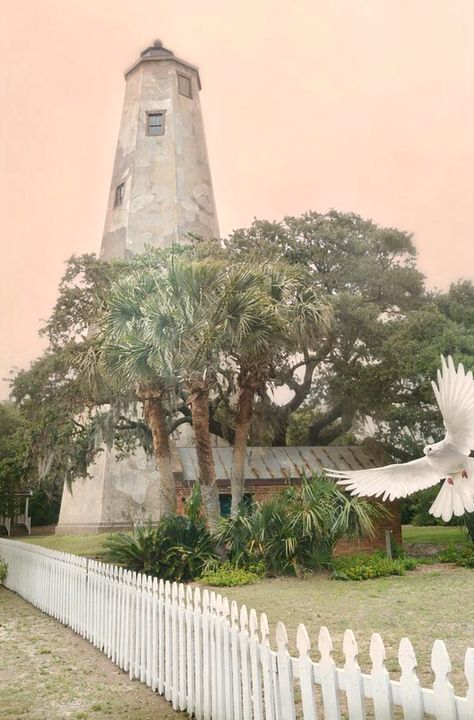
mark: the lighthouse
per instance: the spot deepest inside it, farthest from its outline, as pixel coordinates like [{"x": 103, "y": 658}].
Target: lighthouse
[{"x": 160, "y": 193}]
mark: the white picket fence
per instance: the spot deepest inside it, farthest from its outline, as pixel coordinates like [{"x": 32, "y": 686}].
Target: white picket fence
[{"x": 215, "y": 662}]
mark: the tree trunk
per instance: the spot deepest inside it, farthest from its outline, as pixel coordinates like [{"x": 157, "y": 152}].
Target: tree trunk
[
  {"x": 244, "y": 418},
  {"x": 156, "y": 419},
  {"x": 199, "y": 400}
]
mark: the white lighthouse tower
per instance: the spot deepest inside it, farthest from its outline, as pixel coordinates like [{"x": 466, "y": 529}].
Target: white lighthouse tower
[{"x": 161, "y": 191}]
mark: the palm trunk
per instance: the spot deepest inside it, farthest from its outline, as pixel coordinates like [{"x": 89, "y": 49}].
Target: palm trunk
[
  {"x": 155, "y": 416},
  {"x": 199, "y": 399},
  {"x": 237, "y": 476}
]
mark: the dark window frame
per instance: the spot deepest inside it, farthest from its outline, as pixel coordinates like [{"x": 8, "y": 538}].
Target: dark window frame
[
  {"x": 119, "y": 194},
  {"x": 181, "y": 75},
  {"x": 155, "y": 113}
]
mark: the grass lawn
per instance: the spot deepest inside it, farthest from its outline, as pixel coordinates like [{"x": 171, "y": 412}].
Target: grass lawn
[
  {"x": 86, "y": 545},
  {"x": 434, "y": 534}
]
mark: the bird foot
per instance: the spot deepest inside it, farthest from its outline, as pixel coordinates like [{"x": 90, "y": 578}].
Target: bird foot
[{"x": 450, "y": 480}]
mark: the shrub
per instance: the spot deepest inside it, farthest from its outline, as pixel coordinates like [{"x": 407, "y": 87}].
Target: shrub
[
  {"x": 177, "y": 548},
  {"x": 296, "y": 530},
  {"x": 461, "y": 556},
  {"x": 3, "y": 570},
  {"x": 367, "y": 567},
  {"x": 227, "y": 575}
]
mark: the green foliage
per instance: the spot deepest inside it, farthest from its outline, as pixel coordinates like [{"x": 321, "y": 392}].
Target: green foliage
[
  {"x": 3, "y": 570},
  {"x": 228, "y": 575},
  {"x": 463, "y": 556},
  {"x": 367, "y": 567},
  {"x": 296, "y": 530},
  {"x": 13, "y": 456},
  {"x": 177, "y": 548}
]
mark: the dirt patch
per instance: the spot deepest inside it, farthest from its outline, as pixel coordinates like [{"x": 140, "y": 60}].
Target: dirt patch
[{"x": 47, "y": 672}]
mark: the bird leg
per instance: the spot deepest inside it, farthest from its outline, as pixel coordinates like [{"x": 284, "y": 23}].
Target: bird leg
[
  {"x": 464, "y": 474},
  {"x": 450, "y": 480}
]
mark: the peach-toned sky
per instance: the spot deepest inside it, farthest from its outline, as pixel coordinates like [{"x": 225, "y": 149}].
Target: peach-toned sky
[{"x": 364, "y": 105}]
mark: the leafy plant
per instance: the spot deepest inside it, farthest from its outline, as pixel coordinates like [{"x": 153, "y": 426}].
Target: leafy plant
[
  {"x": 367, "y": 567},
  {"x": 3, "y": 570},
  {"x": 177, "y": 548},
  {"x": 296, "y": 530},
  {"x": 461, "y": 556},
  {"x": 228, "y": 575}
]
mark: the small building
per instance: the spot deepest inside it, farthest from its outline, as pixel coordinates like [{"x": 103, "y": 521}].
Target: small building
[
  {"x": 269, "y": 469},
  {"x": 18, "y": 519}
]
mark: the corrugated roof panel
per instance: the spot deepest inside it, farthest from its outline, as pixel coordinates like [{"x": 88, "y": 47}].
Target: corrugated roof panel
[{"x": 277, "y": 463}]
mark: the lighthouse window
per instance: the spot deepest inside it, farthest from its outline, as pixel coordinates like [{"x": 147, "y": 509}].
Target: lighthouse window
[
  {"x": 184, "y": 85},
  {"x": 155, "y": 123},
  {"x": 119, "y": 190}
]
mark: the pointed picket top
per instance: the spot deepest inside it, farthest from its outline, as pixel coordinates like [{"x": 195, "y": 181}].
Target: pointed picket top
[
  {"x": 219, "y": 604},
  {"x": 205, "y": 600},
  {"x": 225, "y": 608},
  {"x": 469, "y": 673},
  {"x": 303, "y": 643},
  {"x": 134, "y": 579},
  {"x": 167, "y": 591},
  {"x": 440, "y": 661},
  {"x": 174, "y": 592},
  {"x": 350, "y": 649},
  {"x": 234, "y": 614},
  {"x": 442, "y": 688},
  {"x": 161, "y": 586},
  {"x": 149, "y": 584},
  {"x": 197, "y": 598},
  {"x": 155, "y": 585},
  {"x": 212, "y": 602},
  {"x": 253, "y": 624},
  {"x": 244, "y": 618},
  {"x": 181, "y": 594},
  {"x": 264, "y": 629},
  {"x": 281, "y": 637},
  {"x": 189, "y": 596},
  {"x": 325, "y": 645},
  {"x": 407, "y": 658},
  {"x": 120, "y": 574},
  {"x": 377, "y": 651}
]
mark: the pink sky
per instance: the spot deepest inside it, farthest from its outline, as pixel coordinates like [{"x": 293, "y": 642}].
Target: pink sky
[{"x": 363, "y": 105}]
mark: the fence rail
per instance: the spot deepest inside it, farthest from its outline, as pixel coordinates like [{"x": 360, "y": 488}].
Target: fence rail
[{"x": 215, "y": 662}]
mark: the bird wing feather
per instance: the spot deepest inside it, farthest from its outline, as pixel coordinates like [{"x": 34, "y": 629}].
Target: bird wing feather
[
  {"x": 455, "y": 396},
  {"x": 390, "y": 481}
]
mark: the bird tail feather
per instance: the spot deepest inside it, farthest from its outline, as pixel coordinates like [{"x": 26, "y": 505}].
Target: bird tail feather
[{"x": 453, "y": 499}]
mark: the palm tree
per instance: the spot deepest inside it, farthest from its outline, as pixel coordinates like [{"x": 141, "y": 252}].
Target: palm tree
[
  {"x": 130, "y": 354},
  {"x": 267, "y": 314}
]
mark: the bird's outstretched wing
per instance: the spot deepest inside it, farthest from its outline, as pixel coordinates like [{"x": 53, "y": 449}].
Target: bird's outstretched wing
[
  {"x": 455, "y": 396},
  {"x": 390, "y": 482}
]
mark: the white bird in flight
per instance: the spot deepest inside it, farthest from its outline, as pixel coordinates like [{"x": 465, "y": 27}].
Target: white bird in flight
[{"x": 448, "y": 459}]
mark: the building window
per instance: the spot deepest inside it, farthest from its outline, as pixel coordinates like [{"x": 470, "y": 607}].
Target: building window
[
  {"x": 119, "y": 191},
  {"x": 155, "y": 123},
  {"x": 184, "y": 85}
]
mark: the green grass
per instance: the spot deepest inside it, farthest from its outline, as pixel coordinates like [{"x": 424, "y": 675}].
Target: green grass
[
  {"x": 434, "y": 535},
  {"x": 86, "y": 545}
]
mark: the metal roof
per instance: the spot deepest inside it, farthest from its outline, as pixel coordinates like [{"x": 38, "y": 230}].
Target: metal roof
[{"x": 281, "y": 463}]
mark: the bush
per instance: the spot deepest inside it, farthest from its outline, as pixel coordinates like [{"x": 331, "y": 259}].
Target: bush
[
  {"x": 460, "y": 556},
  {"x": 3, "y": 570},
  {"x": 367, "y": 567},
  {"x": 177, "y": 548},
  {"x": 227, "y": 575},
  {"x": 296, "y": 530}
]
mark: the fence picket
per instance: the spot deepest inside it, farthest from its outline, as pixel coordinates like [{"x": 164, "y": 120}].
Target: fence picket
[
  {"x": 305, "y": 670},
  {"x": 285, "y": 679},
  {"x": 353, "y": 678},
  {"x": 381, "y": 688},
  {"x": 327, "y": 669},
  {"x": 235, "y": 653},
  {"x": 445, "y": 703},
  {"x": 267, "y": 671},
  {"x": 412, "y": 699}
]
